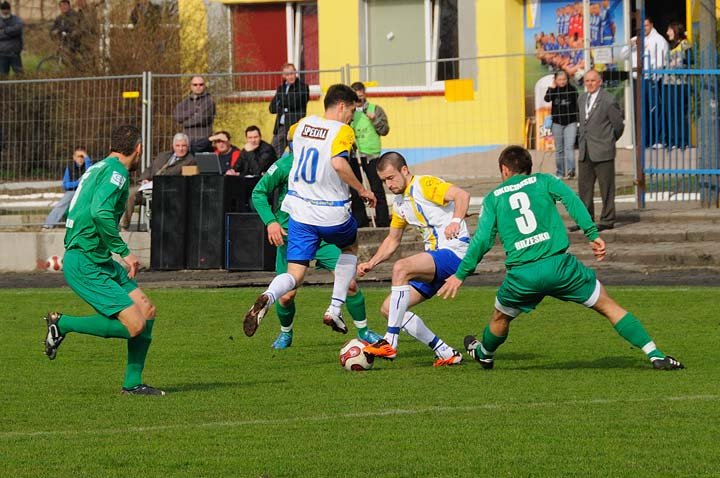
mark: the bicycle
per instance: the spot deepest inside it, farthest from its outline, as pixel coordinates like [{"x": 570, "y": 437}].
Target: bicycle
[{"x": 54, "y": 63}]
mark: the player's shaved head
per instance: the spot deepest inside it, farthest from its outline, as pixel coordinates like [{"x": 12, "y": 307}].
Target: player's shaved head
[
  {"x": 391, "y": 158},
  {"x": 124, "y": 139},
  {"x": 517, "y": 159}
]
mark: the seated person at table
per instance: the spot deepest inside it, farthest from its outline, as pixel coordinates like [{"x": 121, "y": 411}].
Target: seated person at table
[
  {"x": 228, "y": 153},
  {"x": 168, "y": 163},
  {"x": 257, "y": 155}
]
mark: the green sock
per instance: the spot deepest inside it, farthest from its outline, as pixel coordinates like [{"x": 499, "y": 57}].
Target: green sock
[
  {"x": 137, "y": 351},
  {"x": 97, "y": 325},
  {"x": 630, "y": 328},
  {"x": 356, "y": 307},
  {"x": 490, "y": 342},
  {"x": 286, "y": 315}
]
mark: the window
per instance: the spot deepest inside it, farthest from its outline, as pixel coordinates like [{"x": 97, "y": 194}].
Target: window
[
  {"x": 266, "y": 35},
  {"x": 397, "y": 32}
]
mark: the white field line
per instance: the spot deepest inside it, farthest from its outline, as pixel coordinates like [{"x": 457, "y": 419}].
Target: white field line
[{"x": 345, "y": 416}]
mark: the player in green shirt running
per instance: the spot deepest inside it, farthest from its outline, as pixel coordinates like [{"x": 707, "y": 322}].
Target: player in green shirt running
[
  {"x": 92, "y": 234},
  {"x": 276, "y": 180},
  {"x": 523, "y": 211}
]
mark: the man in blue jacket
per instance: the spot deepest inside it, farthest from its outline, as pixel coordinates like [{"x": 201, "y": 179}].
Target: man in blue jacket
[{"x": 80, "y": 163}]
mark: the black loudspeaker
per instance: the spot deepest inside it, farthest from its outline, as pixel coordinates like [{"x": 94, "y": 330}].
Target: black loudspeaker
[
  {"x": 238, "y": 192},
  {"x": 167, "y": 237},
  {"x": 246, "y": 244},
  {"x": 205, "y": 227}
]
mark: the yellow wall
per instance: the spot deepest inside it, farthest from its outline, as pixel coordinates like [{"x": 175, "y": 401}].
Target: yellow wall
[
  {"x": 500, "y": 32},
  {"x": 339, "y": 33},
  {"x": 494, "y": 116},
  {"x": 193, "y": 35}
]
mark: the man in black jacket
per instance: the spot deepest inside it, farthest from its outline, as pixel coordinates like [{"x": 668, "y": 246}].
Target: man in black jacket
[
  {"x": 11, "y": 41},
  {"x": 256, "y": 156},
  {"x": 289, "y": 104}
]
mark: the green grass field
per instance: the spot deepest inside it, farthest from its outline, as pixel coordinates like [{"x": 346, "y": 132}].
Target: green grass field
[{"x": 568, "y": 397}]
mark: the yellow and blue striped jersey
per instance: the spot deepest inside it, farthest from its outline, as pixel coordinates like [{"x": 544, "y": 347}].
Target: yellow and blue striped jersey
[{"x": 423, "y": 205}]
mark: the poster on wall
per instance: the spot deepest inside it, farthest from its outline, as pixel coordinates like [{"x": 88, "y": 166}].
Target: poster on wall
[{"x": 554, "y": 41}]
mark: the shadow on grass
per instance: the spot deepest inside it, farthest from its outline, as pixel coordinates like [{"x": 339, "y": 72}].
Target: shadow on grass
[
  {"x": 209, "y": 386},
  {"x": 600, "y": 363}
]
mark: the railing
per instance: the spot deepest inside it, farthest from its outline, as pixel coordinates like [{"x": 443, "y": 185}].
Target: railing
[
  {"x": 451, "y": 118},
  {"x": 681, "y": 131}
]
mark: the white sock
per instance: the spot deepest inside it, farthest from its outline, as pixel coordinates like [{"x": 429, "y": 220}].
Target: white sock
[
  {"x": 416, "y": 328},
  {"x": 441, "y": 349},
  {"x": 344, "y": 274},
  {"x": 280, "y": 285},
  {"x": 286, "y": 329},
  {"x": 399, "y": 302}
]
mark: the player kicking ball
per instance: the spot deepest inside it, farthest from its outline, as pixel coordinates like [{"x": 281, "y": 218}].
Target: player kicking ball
[
  {"x": 275, "y": 181},
  {"x": 318, "y": 203},
  {"x": 522, "y": 210},
  {"x": 437, "y": 209},
  {"x": 92, "y": 234}
]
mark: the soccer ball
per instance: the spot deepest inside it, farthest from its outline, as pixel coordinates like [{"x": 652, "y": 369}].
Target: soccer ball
[
  {"x": 54, "y": 263},
  {"x": 353, "y": 358}
]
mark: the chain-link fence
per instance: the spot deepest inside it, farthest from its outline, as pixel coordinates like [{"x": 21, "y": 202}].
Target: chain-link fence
[
  {"x": 43, "y": 122},
  {"x": 448, "y": 114}
]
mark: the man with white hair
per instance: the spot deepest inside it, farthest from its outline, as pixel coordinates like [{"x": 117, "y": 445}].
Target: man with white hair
[{"x": 167, "y": 163}]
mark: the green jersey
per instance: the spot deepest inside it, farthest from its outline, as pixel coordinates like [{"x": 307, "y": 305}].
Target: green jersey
[
  {"x": 523, "y": 211},
  {"x": 95, "y": 210},
  {"x": 275, "y": 179}
]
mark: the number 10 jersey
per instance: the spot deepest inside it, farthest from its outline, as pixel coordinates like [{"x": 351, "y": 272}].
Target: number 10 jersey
[{"x": 316, "y": 194}]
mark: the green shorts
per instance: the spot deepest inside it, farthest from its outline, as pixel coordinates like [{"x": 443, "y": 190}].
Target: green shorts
[
  {"x": 104, "y": 286},
  {"x": 561, "y": 276},
  {"x": 325, "y": 258}
]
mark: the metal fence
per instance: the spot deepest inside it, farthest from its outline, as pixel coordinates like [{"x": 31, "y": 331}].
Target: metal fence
[
  {"x": 681, "y": 131},
  {"x": 448, "y": 114}
]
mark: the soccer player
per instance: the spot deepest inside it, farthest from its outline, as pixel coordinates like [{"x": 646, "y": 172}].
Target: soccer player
[
  {"x": 318, "y": 202},
  {"x": 522, "y": 210},
  {"x": 275, "y": 180},
  {"x": 438, "y": 209},
  {"x": 92, "y": 234}
]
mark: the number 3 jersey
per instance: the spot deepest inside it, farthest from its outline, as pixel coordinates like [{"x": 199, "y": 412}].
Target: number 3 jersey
[
  {"x": 423, "y": 205},
  {"x": 316, "y": 194},
  {"x": 523, "y": 211}
]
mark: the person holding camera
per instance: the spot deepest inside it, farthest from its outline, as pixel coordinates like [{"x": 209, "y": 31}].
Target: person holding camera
[{"x": 369, "y": 123}]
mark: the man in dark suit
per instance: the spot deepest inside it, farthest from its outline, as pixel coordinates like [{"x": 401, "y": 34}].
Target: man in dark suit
[
  {"x": 601, "y": 125},
  {"x": 289, "y": 104},
  {"x": 168, "y": 163}
]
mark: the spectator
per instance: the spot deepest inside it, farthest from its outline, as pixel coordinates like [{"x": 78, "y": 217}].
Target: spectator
[
  {"x": 11, "y": 41},
  {"x": 601, "y": 125},
  {"x": 77, "y": 167},
  {"x": 676, "y": 87},
  {"x": 196, "y": 115},
  {"x": 369, "y": 123},
  {"x": 257, "y": 155},
  {"x": 563, "y": 97},
  {"x": 289, "y": 104},
  {"x": 655, "y": 53},
  {"x": 67, "y": 31},
  {"x": 228, "y": 153},
  {"x": 168, "y": 163}
]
